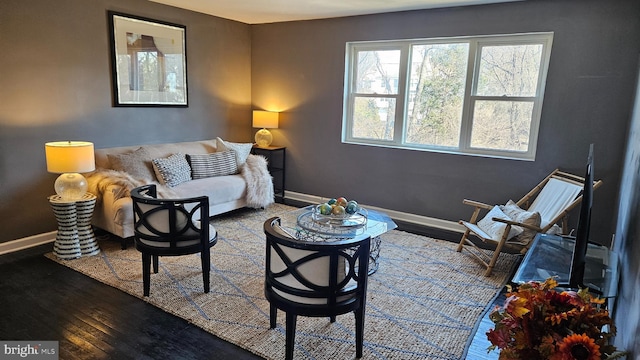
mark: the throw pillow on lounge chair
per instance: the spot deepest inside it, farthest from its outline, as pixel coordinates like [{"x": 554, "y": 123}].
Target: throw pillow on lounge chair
[
  {"x": 533, "y": 218},
  {"x": 495, "y": 229}
]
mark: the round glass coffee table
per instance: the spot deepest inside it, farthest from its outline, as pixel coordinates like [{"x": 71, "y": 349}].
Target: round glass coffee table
[{"x": 312, "y": 227}]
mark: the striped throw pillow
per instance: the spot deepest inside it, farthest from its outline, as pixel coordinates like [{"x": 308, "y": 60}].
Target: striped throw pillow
[
  {"x": 173, "y": 170},
  {"x": 213, "y": 164}
]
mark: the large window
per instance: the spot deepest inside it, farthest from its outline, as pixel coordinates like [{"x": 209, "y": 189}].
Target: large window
[{"x": 470, "y": 95}]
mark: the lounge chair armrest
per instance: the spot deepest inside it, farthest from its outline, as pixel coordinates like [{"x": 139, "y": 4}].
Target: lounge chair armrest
[
  {"x": 477, "y": 204},
  {"x": 515, "y": 223}
]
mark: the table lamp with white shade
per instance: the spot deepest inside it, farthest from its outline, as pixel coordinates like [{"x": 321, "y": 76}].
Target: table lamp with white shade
[
  {"x": 265, "y": 120},
  {"x": 70, "y": 158}
]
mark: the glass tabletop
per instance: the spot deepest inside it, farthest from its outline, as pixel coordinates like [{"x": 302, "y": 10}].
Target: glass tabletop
[
  {"x": 371, "y": 222},
  {"x": 550, "y": 255},
  {"x": 302, "y": 225}
]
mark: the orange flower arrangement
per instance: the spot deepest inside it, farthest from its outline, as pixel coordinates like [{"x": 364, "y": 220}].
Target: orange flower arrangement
[{"x": 539, "y": 323}]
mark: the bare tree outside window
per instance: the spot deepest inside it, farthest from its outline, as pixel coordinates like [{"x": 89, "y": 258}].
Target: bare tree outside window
[
  {"x": 509, "y": 72},
  {"x": 436, "y": 94},
  {"x": 373, "y": 114}
]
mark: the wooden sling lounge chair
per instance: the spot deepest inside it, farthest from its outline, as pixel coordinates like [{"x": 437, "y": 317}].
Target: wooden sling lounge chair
[{"x": 513, "y": 226}]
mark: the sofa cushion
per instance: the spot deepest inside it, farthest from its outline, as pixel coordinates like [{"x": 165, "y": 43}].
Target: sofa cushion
[
  {"x": 136, "y": 163},
  {"x": 173, "y": 170},
  {"x": 219, "y": 189},
  {"x": 214, "y": 164},
  {"x": 242, "y": 149}
]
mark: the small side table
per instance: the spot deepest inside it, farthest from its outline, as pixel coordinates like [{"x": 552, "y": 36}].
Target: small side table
[
  {"x": 75, "y": 237},
  {"x": 276, "y": 165}
]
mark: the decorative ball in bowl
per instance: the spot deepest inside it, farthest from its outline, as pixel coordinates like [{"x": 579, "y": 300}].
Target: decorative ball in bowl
[{"x": 337, "y": 208}]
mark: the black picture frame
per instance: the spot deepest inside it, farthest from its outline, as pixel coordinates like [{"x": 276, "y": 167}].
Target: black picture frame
[{"x": 148, "y": 61}]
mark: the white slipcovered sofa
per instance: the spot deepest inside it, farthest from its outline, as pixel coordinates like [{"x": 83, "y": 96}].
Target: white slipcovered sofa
[{"x": 225, "y": 172}]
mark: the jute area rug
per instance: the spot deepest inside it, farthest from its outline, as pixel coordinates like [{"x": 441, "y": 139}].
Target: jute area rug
[{"x": 422, "y": 303}]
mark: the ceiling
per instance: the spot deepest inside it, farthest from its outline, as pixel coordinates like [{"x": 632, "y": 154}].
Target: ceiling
[{"x": 269, "y": 11}]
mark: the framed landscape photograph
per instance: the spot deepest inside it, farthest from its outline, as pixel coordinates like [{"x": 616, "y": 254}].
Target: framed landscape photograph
[{"x": 149, "y": 62}]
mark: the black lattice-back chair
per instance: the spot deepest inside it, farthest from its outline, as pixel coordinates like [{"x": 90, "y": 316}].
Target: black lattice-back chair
[
  {"x": 319, "y": 279},
  {"x": 171, "y": 227}
]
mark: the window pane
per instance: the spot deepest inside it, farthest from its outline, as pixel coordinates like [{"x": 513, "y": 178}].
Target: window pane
[
  {"x": 378, "y": 72},
  {"x": 373, "y": 118},
  {"x": 503, "y": 125},
  {"x": 509, "y": 70},
  {"x": 436, "y": 94}
]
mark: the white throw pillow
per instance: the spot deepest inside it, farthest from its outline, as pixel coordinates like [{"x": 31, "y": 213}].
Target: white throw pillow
[
  {"x": 495, "y": 229},
  {"x": 242, "y": 149},
  {"x": 517, "y": 214}
]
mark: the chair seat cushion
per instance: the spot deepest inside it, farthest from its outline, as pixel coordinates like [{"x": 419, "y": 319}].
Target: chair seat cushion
[
  {"x": 165, "y": 244},
  {"x": 317, "y": 301}
]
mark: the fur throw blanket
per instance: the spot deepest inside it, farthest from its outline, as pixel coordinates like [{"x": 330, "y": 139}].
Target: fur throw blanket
[
  {"x": 99, "y": 181},
  {"x": 259, "y": 182},
  {"x": 260, "y": 191}
]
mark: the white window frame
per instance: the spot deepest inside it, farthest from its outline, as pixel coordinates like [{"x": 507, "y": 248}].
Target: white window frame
[{"x": 475, "y": 44}]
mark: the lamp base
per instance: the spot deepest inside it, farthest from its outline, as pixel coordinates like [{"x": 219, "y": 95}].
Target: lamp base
[
  {"x": 263, "y": 138},
  {"x": 71, "y": 186}
]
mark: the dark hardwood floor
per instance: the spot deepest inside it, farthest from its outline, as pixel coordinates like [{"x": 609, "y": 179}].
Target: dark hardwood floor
[{"x": 43, "y": 300}]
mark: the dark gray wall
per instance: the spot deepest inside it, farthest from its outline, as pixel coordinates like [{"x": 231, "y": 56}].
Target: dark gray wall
[
  {"x": 55, "y": 84},
  {"x": 298, "y": 68}
]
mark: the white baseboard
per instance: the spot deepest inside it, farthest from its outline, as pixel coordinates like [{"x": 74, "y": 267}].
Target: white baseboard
[
  {"x": 398, "y": 215},
  {"x": 40, "y": 239},
  {"x": 27, "y": 242}
]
